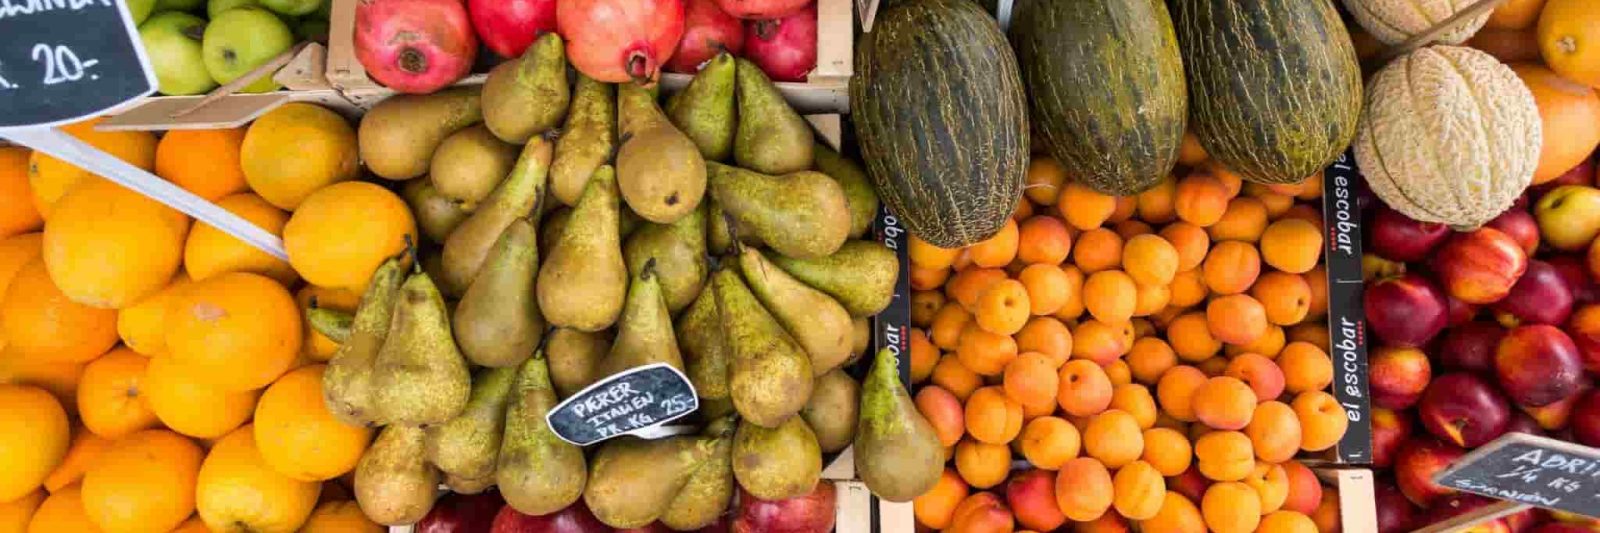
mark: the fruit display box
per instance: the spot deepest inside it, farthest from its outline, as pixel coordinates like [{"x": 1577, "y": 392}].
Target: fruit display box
[{"x": 824, "y": 91}]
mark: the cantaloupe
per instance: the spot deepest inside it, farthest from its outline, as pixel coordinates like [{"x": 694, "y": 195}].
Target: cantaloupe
[
  {"x": 1448, "y": 135},
  {"x": 1394, "y": 21}
]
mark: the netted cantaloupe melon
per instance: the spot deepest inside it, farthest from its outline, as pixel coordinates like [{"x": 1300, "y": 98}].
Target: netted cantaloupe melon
[
  {"x": 1448, "y": 135},
  {"x": 1394, "y": 21}
]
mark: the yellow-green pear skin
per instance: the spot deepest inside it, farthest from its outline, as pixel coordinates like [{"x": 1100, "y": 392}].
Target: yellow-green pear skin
[
  {"x": 468, "y": 446},
  {"x": 857, "y": 187},
  {"x": 777, "y": 463},
  {"x": 436, "y": 215},
  {"x": 706, "y": 109},
  {"x": 633, "y": 481},
  {"x": 660, "y": 171},
  {"x": 497, "y": 322},
  {"x": 584, "y": 281},
  {"x": 897, "y": 453},
  {"x": 398, "y": 137},
  {"x": 861, "y": 275},
  {"x": 331, "y": 323},
  {"x": 833, "y": 409},
  {"x": 575, "y": 358},
  {"x": 394, "y": 484},
  {"x": 679, "y": 252},
  {"x": 469, "y": 164},
  {"x": 709, "y": 492},
  {"x": 420, "y": 377},
  {"x": 706, "y": 356},
  {"x": 772, "y": 138},
  {"x": 515, "y": 197},
  {"x": 644, "y": 333},
  {"x": 771, "y": 378},
  {"x": 347, "y": 383},
  {"x": 528, "y": 96},
  {"x": 587, "y": 140},
  {"x": 803, "y": 214},
  {"x": 538, "y": 472},
  {"x": 813, "y": 318}
]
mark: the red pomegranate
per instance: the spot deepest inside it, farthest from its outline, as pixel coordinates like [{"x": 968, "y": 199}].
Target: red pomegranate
[
  {"x": 785, "y": 48},
  {"x": 762, "y": 9},
  {"x": 620, "y": 40},
  {"x": 414, "y": 46},
  {"x": 507, "y": 27},
  {"x": 707, "y": 32}
]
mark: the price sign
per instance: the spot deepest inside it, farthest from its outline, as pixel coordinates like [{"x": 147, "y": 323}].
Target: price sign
[
  {"x": 1341, "y": 222},
  {"x": 62, "y": 60},
  {"x": 1531, "y": 470},
  {"x": 628, "y": 402}
]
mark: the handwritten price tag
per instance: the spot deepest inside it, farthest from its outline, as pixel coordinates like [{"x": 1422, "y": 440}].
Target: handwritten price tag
[
  {"x": 625, "y": 403},
  {"x": 62, "y": 60},
  {"x": 1532, "y": 470}
]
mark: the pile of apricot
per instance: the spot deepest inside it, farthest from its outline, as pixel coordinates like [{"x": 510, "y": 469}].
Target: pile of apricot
[{"x": 1157, "y": 360}]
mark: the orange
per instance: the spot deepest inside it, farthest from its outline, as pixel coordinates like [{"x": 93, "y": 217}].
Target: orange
[
  {"x": 40, "y": 323},
  {"x": 145, "y": 482},
  {"x": 16, "y": 252},
  {"x": 236, "y": 332},
  {"x": 297, "y": 434},
  {"x": 15, "y": 514},
  {"x": 60, "y": 379},
  {"x": 1048, "y": 442},
  {"x": 1084, "y": 208},
  {"x": 193, "y": 525},
  {"x": 929, "y": 256},
  {"x": 1191, "y": 338},
  {"x": 1190, "y": 241},
  {"x": 85, "y": 450},
  {"x": 186, "y": 405},
  {"x": 1155, "y": 203},
  {"x": 1515, "y": 15},
  {"x": 984, "y": 352},
  {"x": 1292, "y": 245},
  {"x": 996, "y": 251},
  {"x": 1048, "y": 336},
  {"x": 1150, "y": 260},
  {"x": 1284, "y": 297},
  {"x": 209, "y": 251},
  {"x": 1569, "y": 32},
  {"x": 204, "y": 162},
  {"x": 1097, "y": 249},
  {"x": 1048, "y": 288},
  {"x": 1201, "y": 199},
  {"x": 52, "y": 178},
  {"x": 62, "y": 511},
  {"x": 993, "y": 417},
  {"x": 1084, "y": 489},
  {"x": 1236, "y": 319},
  {"x": 1044, "y": 180},
  {"x": 1004, "y": 307},
  {"x": 143, "y": 325},
  {"x": 340, "y": 517},
  {"x": 1231, "y": 267},
  {"x": 1110, "y": 296},
  {"x": 1138, "y": 491},
  {"x": 295, "y": 150},
  {"x": 111, "y": 395},
  {"x": 107, "y": 246},
  {"x": 1244, "y": 220},
  {"x": 340, "y": 234},
  {"x": 1569, "y": 114},
  {"x": 1113, "y": 437},
  {"x": 34, "y": 435},
  {"x": 982, "y": 465},
  {"x": 1043, "y": 239},
  {"x": 1231, "y": 507},
  {"x": 1224, "y": 403},
  {"x": 17, "y": 212},
  {"x": 236, "y": 490}
]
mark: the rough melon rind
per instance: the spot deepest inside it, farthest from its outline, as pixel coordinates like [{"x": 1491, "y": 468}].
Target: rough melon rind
[
  {"x": 1394, "y": 21},
  {"x": 1449, "y": 135}
]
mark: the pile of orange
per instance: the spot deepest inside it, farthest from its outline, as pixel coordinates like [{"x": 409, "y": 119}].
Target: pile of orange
[
  {"x": 156, "y": 373},
  {"x": 1162, "y": 355}
]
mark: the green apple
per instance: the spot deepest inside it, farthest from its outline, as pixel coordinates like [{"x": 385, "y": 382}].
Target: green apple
[
  {"x": 140, "y": 10},
  {"x": 293, "y": 8},
  {"x": 179, "y": 5},
  {"x": 1569, "y": 216},
  {"x": 241, "y": 39},
  {"x": 172, "y": 40},
  {"x": 216, "y": 7}
]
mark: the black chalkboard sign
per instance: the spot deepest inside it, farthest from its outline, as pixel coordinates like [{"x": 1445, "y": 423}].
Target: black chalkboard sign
[
  {"x": 62, "y": 60},
  {"x": 624, "y": 403},
  {"x": 1341, "y": 222},
  {"x": 891, "y": 328},
  {"x": 1532, "y": 470}
]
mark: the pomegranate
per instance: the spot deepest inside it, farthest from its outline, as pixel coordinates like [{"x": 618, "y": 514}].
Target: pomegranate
[
  {"x": 507, "y": 27},
  {"x": 762, "y": 9},
  {"x": 620, "y": 40},
  {"x": 414, "y": 46},
  {"x": 785, "y": 48},
  {"x": 707, "y": 32}
]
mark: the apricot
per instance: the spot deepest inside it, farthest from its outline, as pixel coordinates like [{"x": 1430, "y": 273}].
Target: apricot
[
  {"x": 1168, "y": 450},
  {"x": 1292, "y": 245},
  {"x": 955, "y": 377},
  {"x": 1305, "y": 367},
  {"x": 1150, "y": 259},
  {"x": 1149, "y": 358},
  {"x": 944, "y": 412},
  {"x": 1305, "y": 491},
  {"x": 924, "y": 306},
  {"x": 923, "y": 279},
  {"x": 1314, "y": 333},
  {"x": 1048, "y": 336},
  {"x": 1097, "y": 249},
  {"x": 1261, "y": 374},
  {"x": 1268, "y": 345},
  {"x": 996, "y": 251},
  {"x": 1191, "y": 242},
  {"x": 1128, "y": 229},
  {"x": 982, "y": 465},
  {"x": 1327, "y": 516},
  {"x": 1072, "y": 307},
  {"x": 1177, "y": 515},
  {"x": 1135, "y": 400},
  {"x": 1175, "y": 391},
  {"x": 1201, "y": 199},
  {"x": 982, "y": 512},
  {"x": 992, "y": 417},
  {"x": 927, "y": 255},
  {"x": 1244, "y": 220},
  {"x": 1004, "y": 307},
  {"x": 1107, "y": 523},
  {"x": 945, "y": 329},
  {"x": 923, "y": 356},
  {"x": 1317, "y": 279},
  {"x": 1285, "y": 297},
  {"x": 1138, "y": 490},
  {"x": 1047, "y": 286},
  {"x": 1224, "y": 455},
  {"x": 1110, "y": 296},
  {"x": 1236, "y": 319},
  {"x": 1032, "y": 497},
  {"x": 1085, "y": 208},
  {"x": 1231, "y": 507},
  {"x": 1114, "y": 437},
  {"x": 985, "y": 352},
  {"x": 969, "y": 283},
  {"x": 1032, "y": 382},
  {"x": 1085, "y": 390},
  {"x": 1286, "y": 522},
  {"x": 1084, "y": 489},
  {"x": 1322, "y": 420},
  {"x": 935, "y": 508},
  {"x": 1048, "y": 442},
  {"x": 1190, "y": 337},
  {"x": 1045, "y": 178},
  {"x": 1151, "y": 299},
  {"x": 1231, "y": 267},
  {"x": 1224, "y": 403},
  {"x": 1213, "y": 367},
  {"x": 1043, "y": 240},
  {"x": 1097, "y": 341},
  {"x": 1188, "y": 288},
  {"x": 1271, "y": 485},
  {"x": 1274, "y": 432},
  {"x": 1155, "y": 205}
]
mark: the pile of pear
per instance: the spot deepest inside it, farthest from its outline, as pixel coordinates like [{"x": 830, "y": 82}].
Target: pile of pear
[{"x": 572, "y": 230}]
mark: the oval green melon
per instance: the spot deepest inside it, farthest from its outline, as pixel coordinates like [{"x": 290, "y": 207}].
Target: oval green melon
[
  {"x": 1106, "y": 88},
  {"x": 941, "y": 118},
  {"x": 1274, "y": 87}
]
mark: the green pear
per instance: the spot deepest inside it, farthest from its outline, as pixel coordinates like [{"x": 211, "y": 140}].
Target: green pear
[
  {"x": 419, "y": 377},
  {"x": 469, "y": 164},
  {"x": 466, "y": 485},
  {"x": 679, "y": 252},
  {"x": 528, "y": 95},
  {"x": 777, "y": 463},
  {"x": 644, "y": 332},
  {"x": 497, "y": 322},
  {"x": 347, "y": 383},
  {"x": 861, "y": 339},
  {"x": 550, "y": 231},
  {"x": 705, "y": 110},
  {"x": 772, "y": 138},
  {"x": 705, "y": 356},
  {"x": 514, "y": 198},
  {"x": 861, "y": 275},
  {"x": 398, "y": 136},
  {"x": 632, "y": 481},
  {"x": 660, "y": 172},
  {"x": 394, "y": 484},
  {"x": 857, "y": 187},
  {"x": 584, "y": 281},
  {"x": 804, "y": 214},
  {"x": 897, "y": 453},
  {"x": 437, "y": 216},
  {"x": 468, "y": 446},
  {"x": 833, "y": 409},
  {"x": 709, "y": 491},
  {"x": 574, "y": 358},
  {"x": 586, "y": 141},
  {"x": 813, "y": 318},
  {"x": 771, "y": 376},
  {"x": 538, "y": 472},
  {"x": 331, "y": 323}
]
